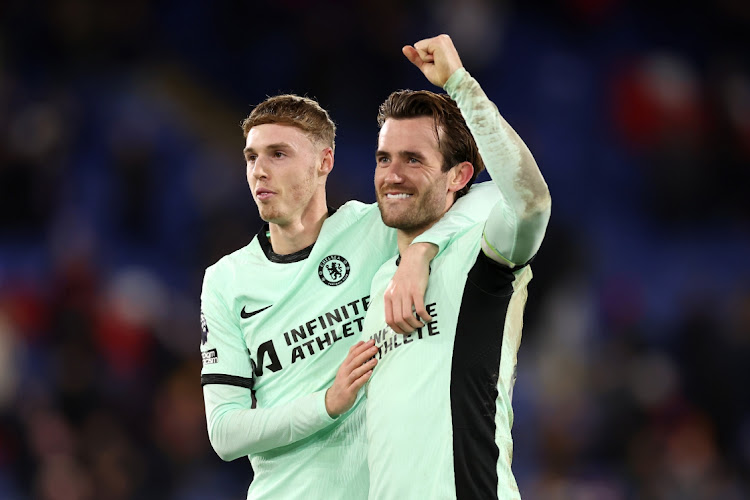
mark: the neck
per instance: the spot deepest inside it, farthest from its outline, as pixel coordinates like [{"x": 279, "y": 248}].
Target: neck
[{"x": 300, "y": 233}]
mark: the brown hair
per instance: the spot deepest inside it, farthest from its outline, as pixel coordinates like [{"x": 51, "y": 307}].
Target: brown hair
[
  {"x": 301, "y": 112},
  {"x": 454, "y": 138}
]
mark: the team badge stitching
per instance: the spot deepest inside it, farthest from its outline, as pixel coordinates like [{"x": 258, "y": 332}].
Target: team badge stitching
[{"x": 333, "y": 270}]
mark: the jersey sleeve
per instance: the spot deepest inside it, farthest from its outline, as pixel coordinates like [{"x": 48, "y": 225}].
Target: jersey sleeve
[
  {"x": 235, "y": 428},
  {"x": 471, "y": 208},
  {"x": 516, "y": 224},
  {"x": 223, "y": 349}
]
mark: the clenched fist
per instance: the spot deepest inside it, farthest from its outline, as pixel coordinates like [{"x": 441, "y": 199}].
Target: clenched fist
[{"x": 436, "y": 57}]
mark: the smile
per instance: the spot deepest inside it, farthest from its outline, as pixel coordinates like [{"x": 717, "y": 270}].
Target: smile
[{"x": 399, "y": 196}]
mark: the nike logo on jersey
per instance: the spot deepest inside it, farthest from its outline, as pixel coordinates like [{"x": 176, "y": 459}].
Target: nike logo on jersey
[{"x": 246, "y": 315}]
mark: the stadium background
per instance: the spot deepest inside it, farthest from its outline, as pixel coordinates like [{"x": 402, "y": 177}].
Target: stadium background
[{"x": 121, "y": 179}]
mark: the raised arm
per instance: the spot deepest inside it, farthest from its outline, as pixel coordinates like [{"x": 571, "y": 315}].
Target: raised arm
[{"x": 517, "y": 223}]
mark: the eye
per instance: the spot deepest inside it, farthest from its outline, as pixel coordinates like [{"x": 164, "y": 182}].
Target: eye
[
  {"x": 413, "y": 161},
  {"x": 382, "y": 160},
  {"x": 278, "y": 154},
  {"x": 251, "y": 158}
]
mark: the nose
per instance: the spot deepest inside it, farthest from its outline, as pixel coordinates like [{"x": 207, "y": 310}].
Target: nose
[
  {"x": 258, "y": 169},
  {"x": 393, "y": 174}
]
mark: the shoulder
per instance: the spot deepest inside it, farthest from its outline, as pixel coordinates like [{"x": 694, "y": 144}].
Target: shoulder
[
  {"x": 465, "y": 241},
  {"x": 352, "y": 214},
  {"x": 226, "y": 267},
  {"x": 356, "y": 210},
  {"x": 458, "y": 256}
]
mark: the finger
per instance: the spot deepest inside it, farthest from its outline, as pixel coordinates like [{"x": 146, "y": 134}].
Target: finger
[
  {"x": 392, "y": 314},
  {"x": 355, "y": 346},
  {"x": 364, "y": 346},
  {"x": 351, "y": 360},
  {"x": 397, "y": 323},
  {"x": 394, "y": 321},
  {"x": 426, "y": 56},
  {"x": 388, "y": 305},
  {"x": 443, "y": 40},
  {"x": 403, "y": 326},
  {"x": 425, "y": 49},
  {"x": 408, "y": 312},
  {"x": 407, "y": 315},
  {"x": 434, "y": 44},
  {"x": 363, "y": 357},
  {"x": 409, "y": 323},
  {"x": 420, "y": 308},
  {"x": 357, "y": 384},
  {"x": 357, "y": 374},
  {"x": 412, "y": 55}
]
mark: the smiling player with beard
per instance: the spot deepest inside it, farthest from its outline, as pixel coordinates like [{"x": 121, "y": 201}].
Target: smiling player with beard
[{"x": 438, "y": 407}]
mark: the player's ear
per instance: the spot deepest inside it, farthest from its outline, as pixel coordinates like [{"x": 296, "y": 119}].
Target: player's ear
[
  {"x": 326, "y": 162},
  {"x": 459, "y": 175}
]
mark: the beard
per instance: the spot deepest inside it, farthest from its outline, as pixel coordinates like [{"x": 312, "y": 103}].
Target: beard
[{"x": 417, "y": 213}]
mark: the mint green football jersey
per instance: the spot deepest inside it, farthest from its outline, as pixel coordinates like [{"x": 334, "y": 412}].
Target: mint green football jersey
[
  {"x": 438, "y": 406},
  {"x": 282, "y": 325}
]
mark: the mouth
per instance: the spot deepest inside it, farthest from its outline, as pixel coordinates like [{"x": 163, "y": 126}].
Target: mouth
[
  {"x": 263, "y": 194},
  {"x": 397, "y": 196}
]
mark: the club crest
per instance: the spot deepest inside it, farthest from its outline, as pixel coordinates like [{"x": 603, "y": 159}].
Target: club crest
[{"x": 333, "y": 270}]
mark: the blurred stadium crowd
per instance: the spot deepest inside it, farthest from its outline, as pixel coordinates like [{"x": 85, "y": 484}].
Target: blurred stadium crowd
[{"x": 121, "y": 179}]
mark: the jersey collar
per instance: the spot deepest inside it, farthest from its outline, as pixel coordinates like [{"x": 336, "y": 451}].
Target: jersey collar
[{"x": 265, "y": 245}]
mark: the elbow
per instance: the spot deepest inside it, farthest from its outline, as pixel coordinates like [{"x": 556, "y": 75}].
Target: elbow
[
  {"x": 226, "y": 456},
  {"x": 224, "y": 452},
  {"x": 545, "y": 207},
  {"x": 542, "y": 200},
  {"x": 536, "y": 201},
  {"x": 222, "y": 446},
  {"x": 536, "y": 221},
  {"x": 537, "y": 212},
  {"x": 531, "y": 232}
]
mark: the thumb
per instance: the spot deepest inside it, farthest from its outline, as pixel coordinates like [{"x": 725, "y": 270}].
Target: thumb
[{"x": 412, "y": 55}]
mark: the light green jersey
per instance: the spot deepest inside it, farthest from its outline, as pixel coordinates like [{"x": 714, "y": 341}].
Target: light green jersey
[
  {"x": 438, "y": 404},
  {"x": 281, "y": 326}
]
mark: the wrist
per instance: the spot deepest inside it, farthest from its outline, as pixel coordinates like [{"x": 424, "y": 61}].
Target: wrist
[
  {"x": 454, "y": 80},
  {"x": 421, "y": 250},
  {"x": 330, "y": 412}
]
